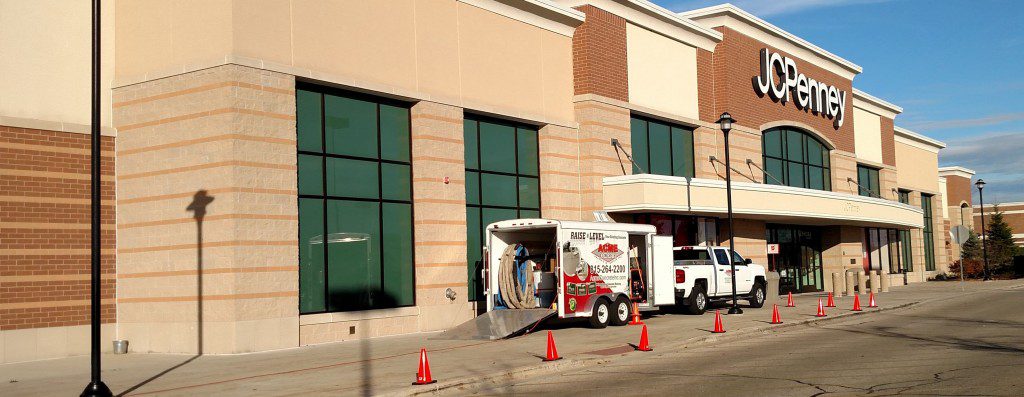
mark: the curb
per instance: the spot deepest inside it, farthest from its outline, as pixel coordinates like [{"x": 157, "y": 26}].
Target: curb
[{"x": 523, "y": 372}]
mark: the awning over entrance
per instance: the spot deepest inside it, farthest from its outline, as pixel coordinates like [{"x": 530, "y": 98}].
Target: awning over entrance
[{"x": 695, "y": 196}]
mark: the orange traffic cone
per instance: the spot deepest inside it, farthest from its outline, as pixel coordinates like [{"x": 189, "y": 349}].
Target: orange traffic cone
[
  {"x": 831, "y": 303},
  {"x": 718, "y": 323},
  {"x": 552, "y": 351},
  {"x": 776, "y": 319},
  {"x": 871, "y": 300},
  {"x": 423, "y": 374},
  {"x": 789, "y": 302},
  {"x": 821, "y": 310},
  {"x": 636, "y": 315},
  {"x": 645, "y": 345},
  {"x": 856, "y": 302}
]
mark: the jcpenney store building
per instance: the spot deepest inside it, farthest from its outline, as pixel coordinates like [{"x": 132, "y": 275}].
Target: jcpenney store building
[{"x": 239, "y": 136}]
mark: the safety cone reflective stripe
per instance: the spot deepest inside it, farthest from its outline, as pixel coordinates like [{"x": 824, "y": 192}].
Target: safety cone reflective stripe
[
  {"x": 718, "y": 323},
  {"x": 644, "y": 345},
  {"x": 821, "y": 310},
  {"x": 423, "y": 374},
  {"x": 871, "y": 300},
  {"x": 856, "y": 302},
  {"x": 831, "y": 303},
  {"x": 776, "y": 319},
  {"x": 636, "y": 315},
  {"x": 789, "y": 302},
  {"x": 552, "y": 351}
]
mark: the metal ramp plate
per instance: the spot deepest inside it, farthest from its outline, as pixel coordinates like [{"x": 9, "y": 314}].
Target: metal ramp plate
[{"x": 496, "y": 324}]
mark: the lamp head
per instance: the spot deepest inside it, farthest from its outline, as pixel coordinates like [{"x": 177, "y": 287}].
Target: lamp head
[
  {"x": 980, "y": 184},
  {"x": 725, "y": 121}
]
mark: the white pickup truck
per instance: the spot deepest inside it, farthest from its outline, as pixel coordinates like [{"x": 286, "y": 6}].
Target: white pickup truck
[{"x": 704, "y": 274}]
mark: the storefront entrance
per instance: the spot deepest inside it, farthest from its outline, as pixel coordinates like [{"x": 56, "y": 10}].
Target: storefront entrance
[{"x": 799, "y": 259}]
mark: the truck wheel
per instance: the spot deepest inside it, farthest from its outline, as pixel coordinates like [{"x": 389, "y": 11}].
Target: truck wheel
[
  {"x": 602, "y": 314},
  {"x": 621, "y": 310},
  {"x": 698, "y": 301},
  {"x": 757, "y": 295}
]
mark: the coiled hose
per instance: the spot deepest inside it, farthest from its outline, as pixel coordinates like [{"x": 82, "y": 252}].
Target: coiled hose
[{"x": 515, "y": 281}]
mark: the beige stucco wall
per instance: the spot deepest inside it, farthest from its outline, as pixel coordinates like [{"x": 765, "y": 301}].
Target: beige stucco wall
[
  {"x": 662, "y": 72},
  {"x": 441, "y": 50},
  {"x": 45, "y": 72},
  {"x": 916, "y": 167},
  {"x": 867, "y": 132}
]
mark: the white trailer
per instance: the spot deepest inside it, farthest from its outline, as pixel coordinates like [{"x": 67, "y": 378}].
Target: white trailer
[{"x": 594, "y": 270}]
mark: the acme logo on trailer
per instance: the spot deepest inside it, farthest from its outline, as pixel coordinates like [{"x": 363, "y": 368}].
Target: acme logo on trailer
[
  {"x": 607, "y": 252},
  {"x": 813, "y": 95}
]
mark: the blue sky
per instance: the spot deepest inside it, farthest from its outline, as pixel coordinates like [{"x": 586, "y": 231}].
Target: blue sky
[{"x": 956, "y": 68}]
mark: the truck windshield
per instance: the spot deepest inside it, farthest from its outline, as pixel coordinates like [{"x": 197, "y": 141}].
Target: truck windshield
[{"x": 690, "y": 255}]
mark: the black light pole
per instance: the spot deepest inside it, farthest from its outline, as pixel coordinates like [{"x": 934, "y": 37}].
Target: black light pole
[
  {"x": 725, "y": 123},
  {"x": 984, "y": 250},
  {"x": 96, "y": 386}
]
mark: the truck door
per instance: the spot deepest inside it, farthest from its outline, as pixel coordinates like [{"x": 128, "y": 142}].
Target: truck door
[
  {"x": 744, "y": 277},
  {"x": 723, "y": 273},
  {"x": 663, "y": 276}
]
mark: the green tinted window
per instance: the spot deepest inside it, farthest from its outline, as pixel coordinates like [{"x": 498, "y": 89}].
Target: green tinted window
[
  {"x": 311, "y": 256},
  {"x": 795, "y": 158},
  {"x": 311, "y": 174},
  {"x": 470, "y": 138},
  {"x": 394, "y": 133},
  {"x": 504, "y": 184},
  {"x": 366, "y": 260},
  {"x": 352, "y": 178},
  {"x": 350, "y": 126},
  {"x": 498, "y": 190},
  {"x": 867, "y": 179},
  {"x": 660, "y": 148},
  {"x": 395, "y": 182},
  {"x": 499, "y": 143},
  {"x": 638, "y": 135},
  {"x": 397, "y": 250},
  {"x": 929, "y": 236},
  {"x": 308, "y": 120}
]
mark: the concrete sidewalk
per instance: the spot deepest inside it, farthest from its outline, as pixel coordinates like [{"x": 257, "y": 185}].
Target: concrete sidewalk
[{"x": 388, "y": 365}]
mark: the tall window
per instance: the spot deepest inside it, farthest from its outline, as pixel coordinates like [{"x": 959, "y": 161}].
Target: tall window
[
  {"x": 906, "y": 250},
  {"x": 929, "y": 238},
  {"x": 355, "y": 202},
  {"x": 795, "y": 158},
  {"x": 867, "y": 178},
  {"x": 661, "y": 148},
  {"x": 502, "y": 182}
]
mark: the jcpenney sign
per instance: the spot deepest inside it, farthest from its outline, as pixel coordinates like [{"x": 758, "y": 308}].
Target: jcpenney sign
[{"x": 816, "y": 96}]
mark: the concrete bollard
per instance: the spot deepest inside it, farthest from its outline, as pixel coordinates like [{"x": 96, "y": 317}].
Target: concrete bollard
[
  {"x": 886, "y": 282},
  {"x": 862, "y": 282},
  {"x": 837, "y": 284},
  {"x": 851, "y": 281},
  {"x": 875, "y": 280}
]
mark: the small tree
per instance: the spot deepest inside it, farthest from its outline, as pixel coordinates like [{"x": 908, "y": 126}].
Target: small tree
[
  {"x": 972, "y": 247},
  {"x": 999, "y": 241}
]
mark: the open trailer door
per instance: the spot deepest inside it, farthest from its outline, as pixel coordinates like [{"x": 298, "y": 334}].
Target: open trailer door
[{"x": 663, "y": 276}]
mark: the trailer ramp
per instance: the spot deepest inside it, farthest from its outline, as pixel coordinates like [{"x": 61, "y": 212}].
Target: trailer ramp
[{"x": 496, "y": 324}]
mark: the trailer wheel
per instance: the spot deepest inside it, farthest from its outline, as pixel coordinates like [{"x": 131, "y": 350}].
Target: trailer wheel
[
  {"x": 698, "y": 300},
  {"x": 602, "y": 314},
  {"x": 757, "y": 296},
  {"x": 621, "y": 310}
]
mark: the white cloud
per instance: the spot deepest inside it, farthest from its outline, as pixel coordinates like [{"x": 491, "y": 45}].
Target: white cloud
[
  {"x": 966, "y": 123},
  {"x": 998, "y": 158}
]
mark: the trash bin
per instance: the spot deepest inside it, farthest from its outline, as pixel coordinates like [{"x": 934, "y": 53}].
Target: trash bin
[
  {"x": 772, "y": 289},
  {"x": 120, "y": 346}
]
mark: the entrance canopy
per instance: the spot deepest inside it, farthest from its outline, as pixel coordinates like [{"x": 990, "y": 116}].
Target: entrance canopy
[{"x": 774, "y": 203}]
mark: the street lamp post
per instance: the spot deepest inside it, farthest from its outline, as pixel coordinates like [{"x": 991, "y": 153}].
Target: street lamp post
[
  {"x": 725, "y": 123},
  {"x": 984, "y": 249},
  {"x": 96, "y": 386}
]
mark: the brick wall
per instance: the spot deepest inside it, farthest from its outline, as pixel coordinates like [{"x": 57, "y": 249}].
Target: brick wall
[
  {"x": 706, "y": 86},
  {"x": 738, "y": 61},
  {"x": 888, "y": 141},
  {"x": 599, "y": 55},
  {"x": 45, "y": 229},
  {"x": 958, "y": 189}
]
